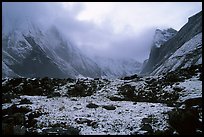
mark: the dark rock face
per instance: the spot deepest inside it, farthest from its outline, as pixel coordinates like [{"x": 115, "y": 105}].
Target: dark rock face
[{"x": 159, "y": 55}]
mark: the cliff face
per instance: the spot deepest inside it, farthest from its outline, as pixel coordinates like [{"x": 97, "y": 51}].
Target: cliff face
[
  {"x": 160, "y": 37},
  {"x": 160, "y": 54}
]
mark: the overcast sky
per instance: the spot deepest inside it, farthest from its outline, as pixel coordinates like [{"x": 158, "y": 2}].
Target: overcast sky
[{"x": 115, "y": 29}]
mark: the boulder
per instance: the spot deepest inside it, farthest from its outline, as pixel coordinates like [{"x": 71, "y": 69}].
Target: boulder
[
  {"x": 92, "y": 105},
  {"x": 185, "y": 121},
  {"x": 109, "y": 107}
]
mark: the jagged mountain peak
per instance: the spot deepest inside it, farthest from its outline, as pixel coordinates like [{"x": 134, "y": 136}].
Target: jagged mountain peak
[{"x": 162, "y": 36}]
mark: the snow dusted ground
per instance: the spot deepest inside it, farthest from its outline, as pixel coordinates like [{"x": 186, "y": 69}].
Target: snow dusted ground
[
  {"x": 125, "y": 117},
  {"x": 119, "y": 121}
]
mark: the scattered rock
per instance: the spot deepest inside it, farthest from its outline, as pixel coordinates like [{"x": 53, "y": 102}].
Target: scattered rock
[
  {"x": 92, "y": 105},
  {"x": 148, "y": 128},
  {"x": 54, "y": 94},
  {"x": 193, "y": 102},
  {"x": 25, "y": 101},
  {"x": 96, "y": 78},
  {"x": 116, "y": 98},
  {"x": 146, "y": 120},
  {"x": 14, "y": 109},
  {"x": 88, "y": 121},
  {"x": 73, "y": 99},
  {"x": 109, "y": 107},
  {"x": 177, "y": 89},
  {"x": 82, "y": 89},
  {"x": 127, "y": 91},
  {"x": 131, "y": 77},
  {"x": 31, "y": 121},
  {"x": 61, "y": 108}
]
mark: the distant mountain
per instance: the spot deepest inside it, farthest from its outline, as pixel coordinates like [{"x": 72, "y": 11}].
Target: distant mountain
[
  {"x": 178, "y": 51},
  {"x": 114, "y": 68},
  {"x": 31, "y": 52}
]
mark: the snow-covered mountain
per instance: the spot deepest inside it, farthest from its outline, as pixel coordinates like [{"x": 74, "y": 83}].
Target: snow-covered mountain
[
  {"x": 32, "y": 52},
  {"x": 114, "y": 68},
  {"x": 180, "y": 51}
]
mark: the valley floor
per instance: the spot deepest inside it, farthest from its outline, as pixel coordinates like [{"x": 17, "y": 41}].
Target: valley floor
[{"x": 154, "y": 105}]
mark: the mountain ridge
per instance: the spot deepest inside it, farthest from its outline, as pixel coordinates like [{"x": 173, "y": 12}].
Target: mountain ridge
[{"x": 185, "y": 34}]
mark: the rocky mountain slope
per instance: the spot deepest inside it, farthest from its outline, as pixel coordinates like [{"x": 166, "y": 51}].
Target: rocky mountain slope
[
  {"x": 35, "y": 52},
  {"x": 167, "y": 104},
  {"x": 179, "y": 51},
  {"x": 31, "y": 52}
]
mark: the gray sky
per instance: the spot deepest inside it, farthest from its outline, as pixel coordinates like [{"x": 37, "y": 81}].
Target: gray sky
[{"x": 105, "y": 29}]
